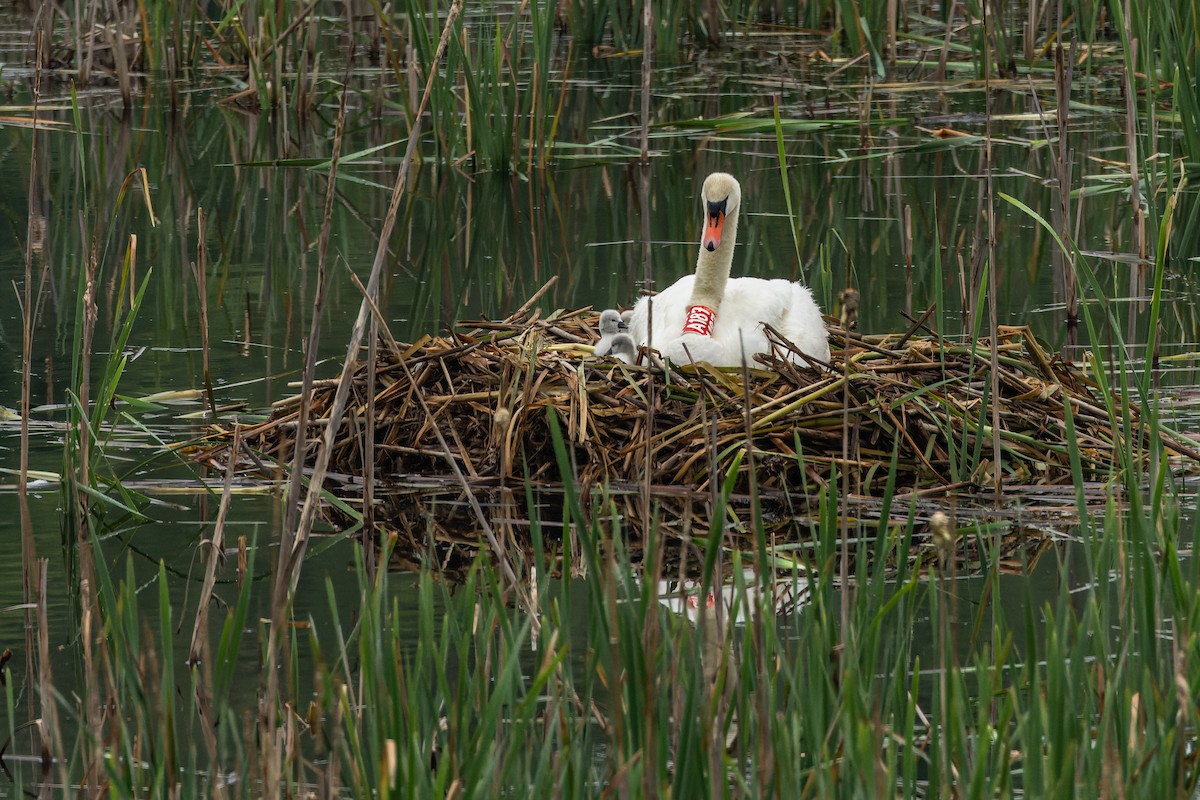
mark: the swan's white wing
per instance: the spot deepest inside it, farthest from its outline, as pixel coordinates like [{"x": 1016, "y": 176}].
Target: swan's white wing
[{"x": 802, "y": 324}]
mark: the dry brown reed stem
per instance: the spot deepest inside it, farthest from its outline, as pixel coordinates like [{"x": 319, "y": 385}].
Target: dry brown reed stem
[
  {"x": 368, "y": 435},
  {"x": 647, "y": 71},
  {"x": 1064, "y": 259},
  {"x": 993, "y": 267},
  {"x": 52, "y": 741},
  {"x": 289, "y": 562},
  {"x": 651, "y": 388},
  {"x": 27, "y": 302},
  {"x": 200, "y": 270},
  {"x": 93, "y": 700},
  {"x": 844, "y": 519},
  {"x": 939, "y": 74},
  {"x": 199, "y": 650},
  {"x": 893, "y": 13},
  {"x": 943, "y": 535},
  {"x": 1137, "y": 219},
  {"x": 116, "y": 35},
  {"x": 296, "y": 550},
  {"x": 294, "y": 539}
]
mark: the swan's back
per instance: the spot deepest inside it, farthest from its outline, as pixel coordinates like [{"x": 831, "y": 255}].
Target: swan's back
[
  {"x": 801, "y": 323},
  {"x": 786, "y": 306}
]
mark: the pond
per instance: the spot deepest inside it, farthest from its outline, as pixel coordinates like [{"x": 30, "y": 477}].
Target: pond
[{"x": 210, "y": 215}]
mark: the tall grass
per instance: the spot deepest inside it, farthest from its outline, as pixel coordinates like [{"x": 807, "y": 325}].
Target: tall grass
[
  {"x": 272, "y": 40},
  {"x": 495, "y": 107},
  {"x": 932, "y": 687},
  {"x": 499, "y": 101},
  {"x": 898, "y": 676}
]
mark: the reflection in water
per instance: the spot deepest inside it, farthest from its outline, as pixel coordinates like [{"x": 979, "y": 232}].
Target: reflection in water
[{"x": 735, "y": 600}]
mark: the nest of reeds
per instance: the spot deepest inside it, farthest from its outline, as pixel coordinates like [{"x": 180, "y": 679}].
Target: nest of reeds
[{"x": 484, "y": 407}]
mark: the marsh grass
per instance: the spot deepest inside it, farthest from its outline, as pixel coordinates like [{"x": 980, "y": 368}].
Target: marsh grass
[
  {"x": 927, "y": 688},
  {"x": 899, "y": 676},
  {"x": 894, "y": 677},
  {"x": 500, "y": 102}
]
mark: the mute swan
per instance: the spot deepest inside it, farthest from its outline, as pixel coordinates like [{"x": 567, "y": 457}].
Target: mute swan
[
  {"x": 611, "y": 324},
  {"x": 709, "y": 317}
]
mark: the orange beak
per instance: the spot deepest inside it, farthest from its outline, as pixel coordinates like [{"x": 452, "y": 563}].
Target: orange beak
[{"x": 714, "y": 221}]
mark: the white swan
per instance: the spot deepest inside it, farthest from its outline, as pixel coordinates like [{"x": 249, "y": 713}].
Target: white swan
[
  {"x": 611, "y": 325},
  {"x": 709, "y": 317}
]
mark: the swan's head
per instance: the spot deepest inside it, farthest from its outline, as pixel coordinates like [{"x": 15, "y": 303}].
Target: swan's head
[
  {"x": 720, "y": 197},
  {"x": 611, "y": 322}
]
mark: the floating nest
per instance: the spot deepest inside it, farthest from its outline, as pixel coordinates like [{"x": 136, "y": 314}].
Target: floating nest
[{"x": 479, "y": 411}]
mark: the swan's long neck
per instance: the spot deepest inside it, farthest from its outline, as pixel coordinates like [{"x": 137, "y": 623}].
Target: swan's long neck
[{"x": 712, "y": 273}]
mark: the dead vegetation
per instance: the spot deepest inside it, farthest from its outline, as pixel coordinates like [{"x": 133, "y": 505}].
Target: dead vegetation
[{"x": 912, "y": 408}]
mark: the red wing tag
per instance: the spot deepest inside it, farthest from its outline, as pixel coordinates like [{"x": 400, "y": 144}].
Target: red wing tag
[{"x": 700, "y": 320}]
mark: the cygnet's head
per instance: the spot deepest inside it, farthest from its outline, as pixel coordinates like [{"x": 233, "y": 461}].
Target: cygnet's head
[
  {"x": 721, "y": 197},
  {"x": 623, "y": 348},
  {"x": 611, "y": 322}
]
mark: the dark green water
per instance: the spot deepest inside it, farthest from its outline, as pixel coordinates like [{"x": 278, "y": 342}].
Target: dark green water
[{"x": 481, "y": 244}]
